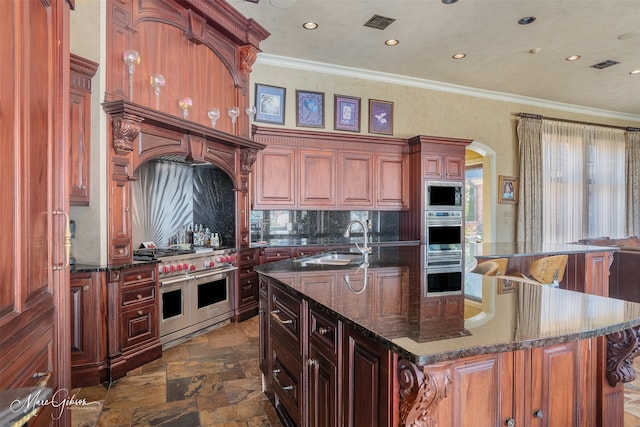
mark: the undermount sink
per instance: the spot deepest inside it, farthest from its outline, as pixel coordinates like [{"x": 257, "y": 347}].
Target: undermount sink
[{"x": 330, "y": 259}]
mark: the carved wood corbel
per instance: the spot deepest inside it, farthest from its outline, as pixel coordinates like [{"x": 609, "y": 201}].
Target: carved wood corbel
[
  {"x": 622, "y": 348},
  {"x": 126, "y": 129},
  {"x": 421, "y": 390},
  {"x": 247, "y": 159},
  {"x": 248, "y": 55}
]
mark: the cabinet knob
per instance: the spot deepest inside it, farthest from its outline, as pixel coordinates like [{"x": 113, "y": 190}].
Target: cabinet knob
[
  {"x": 140, "y": 312},
  {"x": 275, "y": 371},
  {"x": 139, "y": 296},
  {"x": 288, "y": 387},
  {"x": 139, "y": 277},
  {"x": 323, "y": 331},
  {"x": 538, "y": 414},
  {"x": 312, "y": 362},
  {"x": 85, "y": 288},
  {"x": 510, "y": 422},
  {"x": 121, "y": 251}
]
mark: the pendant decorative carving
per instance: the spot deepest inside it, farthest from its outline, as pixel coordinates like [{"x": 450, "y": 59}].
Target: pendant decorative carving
[
  {"x": 125, "y": 130},
  {"x": 248, "y": 55},
  {"x": 247, "y": 159},
  {"x": 421, "y": 390},
  {"x": 622, "y": 348}
]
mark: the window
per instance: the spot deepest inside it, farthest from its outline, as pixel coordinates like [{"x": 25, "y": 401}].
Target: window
[{"x": 583, "y": 172}]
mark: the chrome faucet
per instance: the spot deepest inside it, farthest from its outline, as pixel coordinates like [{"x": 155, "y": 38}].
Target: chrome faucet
[{"x": 365, "y": 250}]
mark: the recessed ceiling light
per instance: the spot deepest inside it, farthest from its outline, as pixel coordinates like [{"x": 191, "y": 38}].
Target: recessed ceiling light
[
  {"x": 535, "y": 50},
  {"x": 392, "y": 42},
  {"x": 459, "y": 56},
  {"x": 526, "y": 20},
  {"x": 572, "y": 58},
  {"x": 634, "y": 72},
  {"x": 449, "y": 1},
  {"x": 309, "y": 25}
]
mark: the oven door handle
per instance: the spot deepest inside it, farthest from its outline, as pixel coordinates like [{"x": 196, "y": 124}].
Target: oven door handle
[
  {"x": 212, "y": 273},
  {"x": 167, "y": 282}
]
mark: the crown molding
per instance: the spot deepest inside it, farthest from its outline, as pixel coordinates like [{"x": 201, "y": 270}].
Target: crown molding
[{"x": 339, "y": 70}]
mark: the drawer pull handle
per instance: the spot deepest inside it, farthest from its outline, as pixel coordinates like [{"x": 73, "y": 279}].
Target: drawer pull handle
[
  {"x": 312, "y": 362},
  {"x": 139, "y": 277},
  {"x": 140, "y": 312},
  {"x": 139, "y": 296},
  {"x": 276, "y": 315},
  {"x": 288, "y": 387},
  {"x": 275, "y": 372},
  {"x": 323, "y": 331}
]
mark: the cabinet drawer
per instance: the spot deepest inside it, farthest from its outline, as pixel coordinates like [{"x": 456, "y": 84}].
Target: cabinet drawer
[
  {"x": 138, "y": 325},
  {"x": 133, "y": 295},
  {"x": 286, "y": 378},
  {"x": 285, "y": 318},
  {"x": 247, "y": 258},
  {"x": 133, "y": 276},
  {"x": 307, "y": 251},
  {"x": 246, "y": 271},
  {"x": 276, "y": 254},
  {"x": 248, "y": 290},
  {"x": 324, "y": 332}
]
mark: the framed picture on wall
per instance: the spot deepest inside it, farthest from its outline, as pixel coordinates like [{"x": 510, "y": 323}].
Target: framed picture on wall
[
  {"x": 347, "y": 113},
  {"x": 380, "y": 117},
  {"x": 309, "y": 109},
  {"x": 508, "y": 189},
  {"x": 270, "y": 103}
]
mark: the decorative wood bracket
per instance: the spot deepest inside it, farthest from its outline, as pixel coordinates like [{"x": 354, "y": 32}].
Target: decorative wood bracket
[
  {"x": 248, "y": 55},
  {"x": 125, "y": 130},
  {"x": 248, "y": 157},
  {"x": 421, "y": 390},
  {"x": 622, "y": 348}
]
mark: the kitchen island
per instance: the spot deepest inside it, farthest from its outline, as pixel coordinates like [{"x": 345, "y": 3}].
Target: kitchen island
[{"x": 365, "y": 344}]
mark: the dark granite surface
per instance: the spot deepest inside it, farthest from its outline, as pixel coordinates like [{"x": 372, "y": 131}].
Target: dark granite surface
[
  {"x": 499, "y": 250},
  {"x": 527, "y": 316},
  {"x": 333, "y": 241},
  {"x": 90, "y": 268}
]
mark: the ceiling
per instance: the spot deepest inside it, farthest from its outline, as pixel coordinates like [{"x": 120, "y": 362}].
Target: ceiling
[{"x": 500, "y": 52}]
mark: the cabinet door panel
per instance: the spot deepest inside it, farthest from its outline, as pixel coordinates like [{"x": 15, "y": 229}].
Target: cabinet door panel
[
  {"x": 274, "y": 178},
  {"x": 355, "y": 185},
  {"x": 317, "y": 178},
  {"x": 323, "y": 390},
  {"x": 453, "y": 167},
  {"x": 393, "y": 182},
  {"x": 432, "y": 165}
]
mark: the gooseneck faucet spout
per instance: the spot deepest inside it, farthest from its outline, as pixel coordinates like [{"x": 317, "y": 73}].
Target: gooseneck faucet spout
[{"x": 365, "y": 250}]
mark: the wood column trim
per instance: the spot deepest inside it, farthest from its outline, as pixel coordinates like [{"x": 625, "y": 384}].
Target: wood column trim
[{"x": 421, "y": 390}]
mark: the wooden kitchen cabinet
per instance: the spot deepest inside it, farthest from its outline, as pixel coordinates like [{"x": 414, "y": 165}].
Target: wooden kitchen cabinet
[
  {"x": 545, "y": 386},
  {"x": 275, "y": 178},
  {"x": 82, "y": 70},
  {"x": 133, "y": 319},
  {"x": 444, "y": 167},
  {"x": 317, "y": 178},
  {"x": 355, "y": 179},
  {"x": 392, "y": 185},
  {"x": 88, "y": 329},
  {"x": 246, "y": 300},
  {"x": 274, "y": 254}
]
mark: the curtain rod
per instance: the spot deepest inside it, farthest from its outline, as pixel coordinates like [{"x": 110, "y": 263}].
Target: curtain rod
[{"x": 537, "y": 116}]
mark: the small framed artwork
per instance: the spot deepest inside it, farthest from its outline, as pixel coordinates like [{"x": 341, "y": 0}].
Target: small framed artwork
[
  {"x": 508, "y": 189},
  {"x": 347, "y": 113},
  {"x": 380, "y": 117},
  {"x": 270, "y": 103},
  {"x": 506, "y": 286},
  {"x": 309, "y": 109}
]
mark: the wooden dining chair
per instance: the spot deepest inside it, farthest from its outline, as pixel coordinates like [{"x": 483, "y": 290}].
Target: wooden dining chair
[
  {"x": 548, "y": 270},
  {"x": 486, "y": 268}
]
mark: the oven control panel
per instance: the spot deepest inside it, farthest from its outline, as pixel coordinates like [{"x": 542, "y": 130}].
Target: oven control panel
[{"x": 196, "y": 262}]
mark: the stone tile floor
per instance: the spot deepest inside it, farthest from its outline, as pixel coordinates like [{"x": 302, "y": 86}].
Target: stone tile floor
[{"x": 213, "y": 380}]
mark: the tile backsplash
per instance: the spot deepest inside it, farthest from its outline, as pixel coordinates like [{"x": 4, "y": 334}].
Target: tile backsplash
[{"x": 267, "y": 225}]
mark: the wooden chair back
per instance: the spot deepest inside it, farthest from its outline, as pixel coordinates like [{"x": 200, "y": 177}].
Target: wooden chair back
[{"x": 549, "y": 269}]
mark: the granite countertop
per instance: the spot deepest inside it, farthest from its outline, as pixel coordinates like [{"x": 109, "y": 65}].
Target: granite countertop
[
  {"x": 523, "y": 317},
  {"x": 331, "y": 241},
  {"x": 515, "y": 249},
  {"x": 80, "y": 267}
]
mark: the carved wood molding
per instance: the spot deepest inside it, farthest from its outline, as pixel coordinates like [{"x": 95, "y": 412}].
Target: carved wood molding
[
  {"x": 622, "y": 348},
  {"x": 421, "y": 390},
  {"x": 126, "y": 129},
  {"x": 248, "y": 56},
  {"x": 248, "y": 157}
]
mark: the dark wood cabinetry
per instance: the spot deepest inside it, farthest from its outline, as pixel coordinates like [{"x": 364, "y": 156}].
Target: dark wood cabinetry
[
  {"x": 34, "y": 294},
  {"x": 82, "y": 70},
  {"x": 88, "y": 329},
  {"x": 319, "y": 170},
  {"x": 246, "y": 299},
  {"x": 133, "y": 337},
  {"x": 443, "y": 166}
]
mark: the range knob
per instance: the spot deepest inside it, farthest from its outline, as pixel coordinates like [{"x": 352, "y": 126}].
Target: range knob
[
  {"x": 165, "y": 269},
  {"x": 232, "y": 258},
  {"x": 212, "y": 264},
  {"x": 185, "y": 266},
  {"x": 172, "y": 268},
  {"x": 179, "y": 267},
  {"x": 192, "y": 267}
]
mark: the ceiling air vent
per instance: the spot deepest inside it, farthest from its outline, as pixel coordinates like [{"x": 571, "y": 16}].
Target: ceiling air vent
[
  {"x": 604, "y": 64},
  {"x": 379, "y": 22}
]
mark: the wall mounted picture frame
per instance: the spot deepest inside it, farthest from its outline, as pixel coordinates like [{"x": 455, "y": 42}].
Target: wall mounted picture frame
[
  {"x": 309, "y": 109},
  {"x": 508, "y": 189},
  {"x": 347, "y": 113},
  {"x": 270, "y": 104},
  {"x": 380, "y": 117}
]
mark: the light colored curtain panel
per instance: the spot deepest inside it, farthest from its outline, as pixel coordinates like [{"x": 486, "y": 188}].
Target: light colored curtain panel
[
  {"x": 529, "y": 228},
  {"x": 633, "y": 183},
  {"x": 606, "y": 177},
  {"x": 564, "y": 183}
]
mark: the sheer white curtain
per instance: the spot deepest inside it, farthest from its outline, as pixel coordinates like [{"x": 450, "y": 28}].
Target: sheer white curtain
[{"x": 583, "y": 181}]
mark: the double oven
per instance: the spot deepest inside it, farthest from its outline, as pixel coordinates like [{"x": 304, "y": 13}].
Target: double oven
[{"x": 444, "y": 237}]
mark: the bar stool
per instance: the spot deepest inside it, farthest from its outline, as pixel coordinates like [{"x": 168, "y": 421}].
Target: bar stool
[
  {"x": 548, "y": 270},
  {"x": 486, "y": 268}
]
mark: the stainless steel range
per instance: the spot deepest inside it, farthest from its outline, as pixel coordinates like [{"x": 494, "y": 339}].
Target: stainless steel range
[{"x": 196, "y": 290}]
